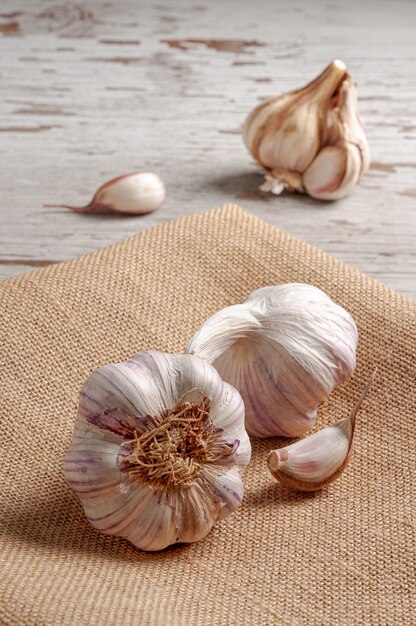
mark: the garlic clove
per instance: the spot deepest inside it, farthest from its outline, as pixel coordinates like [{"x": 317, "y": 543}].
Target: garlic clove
[
  {"x": 119, "y": 516},
  {"x": 157, "y": 528},
  {"x": 334, "y": 172},
  {"x": 227, "y": 486},
  {"x": 315, "y": 463},
  {"x": 317, "y": 460},
  {"x": 285, "y": 348},
  {"x": 351, "y": 128},
  {"x": 338, "y": 167},
  {"x": 159, "y": 449},
  {"x": 324, "y": 176},
  {"x": 226, "y": 414},
  {"x": 195, "y": 513},
  {"x": 133, "y": 194}
]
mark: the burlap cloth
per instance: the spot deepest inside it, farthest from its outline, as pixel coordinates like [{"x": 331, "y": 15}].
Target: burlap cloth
[{"x": 342, "y": 556}]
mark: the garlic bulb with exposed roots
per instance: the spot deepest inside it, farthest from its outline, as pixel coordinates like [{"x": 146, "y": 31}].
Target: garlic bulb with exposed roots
[
  {"x": 133, "y": 194},
  {"x": 159, "y": 448},
  {"x": 285, "y": 348},
  {"x": 317, "y": 460},
  {"x": 311, "y": 140}
]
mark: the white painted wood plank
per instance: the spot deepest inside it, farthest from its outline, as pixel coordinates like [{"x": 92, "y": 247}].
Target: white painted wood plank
[{"x": 91, "y": 93}]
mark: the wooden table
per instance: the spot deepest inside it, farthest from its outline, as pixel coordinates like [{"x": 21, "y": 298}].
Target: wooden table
[{"x": 94, "y": 89}]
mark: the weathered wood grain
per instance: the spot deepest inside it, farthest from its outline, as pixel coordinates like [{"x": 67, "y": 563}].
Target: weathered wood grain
[{"x": 97, "y": 89}]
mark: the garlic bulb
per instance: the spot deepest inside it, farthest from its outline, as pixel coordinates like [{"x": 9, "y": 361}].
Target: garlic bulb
[
  {"x": 317, "y": 460},
  {"x": 311, "y": 140},
  {"x": 133, "y": 194},
  {"x": 158, "y": 450},
  {"x": 285, "y": 348}
]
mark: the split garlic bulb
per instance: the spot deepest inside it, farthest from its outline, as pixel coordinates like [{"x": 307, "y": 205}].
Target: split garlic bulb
[
  {"x": 134, "y": 194},
  {"x": 158, "y": 450},
  {"x": 285, "y": 348},
  {"x": 311, "y": 140},
  {"x": 317, "y": 460}
]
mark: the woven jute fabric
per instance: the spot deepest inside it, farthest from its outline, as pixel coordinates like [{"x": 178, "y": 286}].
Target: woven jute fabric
[{"x": 341, "y": 556}]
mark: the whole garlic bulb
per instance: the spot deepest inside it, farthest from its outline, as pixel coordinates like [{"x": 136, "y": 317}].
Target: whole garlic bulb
[
  {"x": 158, "y": 450},
  {"x": 311, "y": 140},
  {"x": 133, "y": 194},
  {"x": 285, "y": 348}
]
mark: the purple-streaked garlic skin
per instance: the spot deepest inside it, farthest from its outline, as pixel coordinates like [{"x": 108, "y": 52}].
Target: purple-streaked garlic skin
[
  {"x": 285, "y": 348},
  {"x": 121, "y": 402}
]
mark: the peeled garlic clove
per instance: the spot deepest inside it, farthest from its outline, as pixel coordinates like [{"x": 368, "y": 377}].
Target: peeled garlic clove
[
  {"x": 285, "y": 348},
  {"x": 158, "y": 450},
  {"x": 311, "y": 140},
  {"x": 317, "y": 460},
  {"x": 133, "y": 194},
  {"x": 334, "y": 172}
]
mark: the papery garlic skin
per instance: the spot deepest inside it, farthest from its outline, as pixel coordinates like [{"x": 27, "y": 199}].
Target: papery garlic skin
[
  {"x": 311, "y": 140},
  {"x": 285, "y": 348},
  {"x": 123, "y": 403},
  {"x": 319, "y": 459}
]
